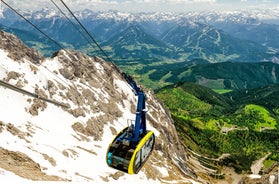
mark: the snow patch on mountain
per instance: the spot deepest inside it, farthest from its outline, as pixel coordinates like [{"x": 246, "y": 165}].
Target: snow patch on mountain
[
  {"x": 236, "y": 15},
  {"x": 1, "y": 13},
  {"x": 42, "y": 141}
]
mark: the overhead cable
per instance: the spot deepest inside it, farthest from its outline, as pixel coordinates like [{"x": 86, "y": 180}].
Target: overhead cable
[
  {"x": 38, "y": 29},
  {"x": 96, "y": 43},
  {"x": 74, "y": 25}
]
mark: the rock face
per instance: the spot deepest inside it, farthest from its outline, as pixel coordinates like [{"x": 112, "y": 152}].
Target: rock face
[
  {"x": 17, "y": 50},
  {"x": 70, "y": 143}
]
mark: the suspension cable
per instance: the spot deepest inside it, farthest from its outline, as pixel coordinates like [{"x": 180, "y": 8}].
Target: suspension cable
[
  {"x": 38, "y": 29},
  {"x": 57, "y": 44},
  {"x": 104, "y": 53},
  {"x": 74, "y": 25}
]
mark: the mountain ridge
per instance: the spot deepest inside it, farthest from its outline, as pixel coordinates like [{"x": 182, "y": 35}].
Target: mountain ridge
[
  {"x": 105, "y": 25},
  {"x": 71, "y": 143},
  {"x": 135, "y": 44}
]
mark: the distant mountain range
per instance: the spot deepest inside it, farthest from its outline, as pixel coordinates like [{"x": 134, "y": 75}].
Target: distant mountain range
[
  {"x": 134, "y": 44},
  {"x": 226, "y": 50},
  {"x": 161, "y": 45},
  {"x": 212, "y": 36}
]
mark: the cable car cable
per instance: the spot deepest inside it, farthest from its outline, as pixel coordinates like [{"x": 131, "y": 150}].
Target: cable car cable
[
  {"x": 51, "y": 38},
  {"x": 38, "y": 29},
  {"x": 74, "y": 25},
  {"x": 104, "y": 53}
]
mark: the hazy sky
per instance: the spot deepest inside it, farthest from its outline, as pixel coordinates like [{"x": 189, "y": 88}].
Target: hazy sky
[{"x": 149, "y": 5}]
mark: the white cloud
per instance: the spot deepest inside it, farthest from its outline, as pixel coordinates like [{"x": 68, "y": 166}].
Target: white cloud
[{"x": 144, "y": 5}]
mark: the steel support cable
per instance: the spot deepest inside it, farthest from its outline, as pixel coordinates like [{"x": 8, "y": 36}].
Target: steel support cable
[
  {"x": 104, "y": 53},
  {"x": 74, "y": 25},
  {"x": 34, "y": 95},
  {"x": 42, "y": 31},
  {"x": 38, "y": 29},
  {"x": 22, "y": 90},
  {"x": 114, "y": 65},
  {"x": 96, "y": 43}
]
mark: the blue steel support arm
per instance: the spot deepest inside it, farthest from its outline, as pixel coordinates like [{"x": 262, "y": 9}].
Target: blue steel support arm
[
  {"x": 132, "y": 83},
  {"x": 140, "y": 122}
]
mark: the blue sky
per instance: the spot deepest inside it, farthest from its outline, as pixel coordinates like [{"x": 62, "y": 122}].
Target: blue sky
[{"x": 150, "y": 5}]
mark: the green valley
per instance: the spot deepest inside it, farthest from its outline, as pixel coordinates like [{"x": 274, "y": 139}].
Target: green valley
[
  {"x": 213, "y": 124},
  {"x": 228, "y": 75},
  {"x": 221, "y": 88}
]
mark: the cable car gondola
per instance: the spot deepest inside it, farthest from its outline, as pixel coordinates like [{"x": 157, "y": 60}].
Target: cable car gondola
[{"x": 132, "y": 146}]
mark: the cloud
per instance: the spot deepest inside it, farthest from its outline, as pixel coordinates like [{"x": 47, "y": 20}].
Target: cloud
[{"x": 144, "y": 5}]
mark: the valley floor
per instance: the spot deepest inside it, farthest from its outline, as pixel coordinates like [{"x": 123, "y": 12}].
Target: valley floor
[{"x": 230, "y": 176}]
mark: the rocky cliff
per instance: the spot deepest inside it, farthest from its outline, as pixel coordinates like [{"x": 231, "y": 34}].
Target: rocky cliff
[{"x": 61, "y": 113}]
